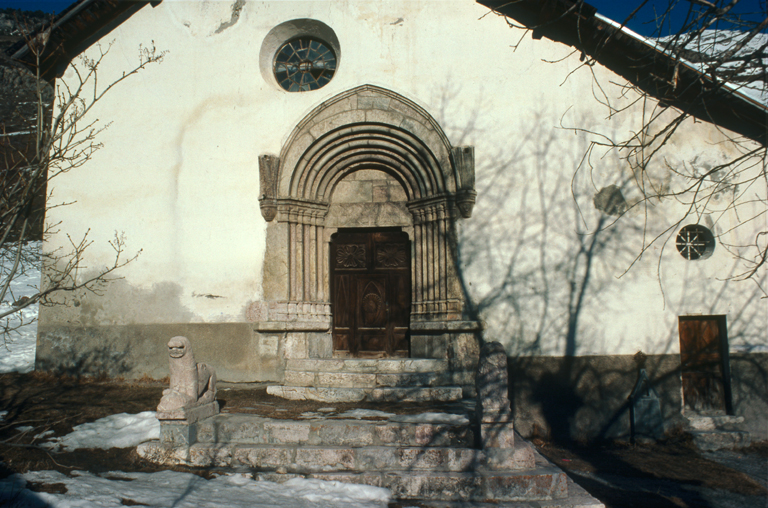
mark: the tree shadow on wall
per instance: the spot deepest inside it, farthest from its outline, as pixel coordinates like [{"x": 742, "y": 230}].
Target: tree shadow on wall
[
  {"x": 100, "y": 361},
  {"x": 540, "y": 261}
]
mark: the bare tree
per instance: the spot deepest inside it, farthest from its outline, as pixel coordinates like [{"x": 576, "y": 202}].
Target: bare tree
[
  {"x": 61, "y": 140},
  {"x": 709, "y": 64}
]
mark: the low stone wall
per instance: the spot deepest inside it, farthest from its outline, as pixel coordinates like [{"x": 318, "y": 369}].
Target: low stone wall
[{"x": 586, "y": 398}]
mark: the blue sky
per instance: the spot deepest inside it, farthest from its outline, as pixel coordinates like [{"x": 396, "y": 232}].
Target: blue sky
[{"x": 617, "y": 10}]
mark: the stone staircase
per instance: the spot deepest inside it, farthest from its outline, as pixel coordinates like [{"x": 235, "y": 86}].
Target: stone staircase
[
  {"x": 375, "y": 380},
  {"x": 427, "y": 456},
  {"x": 717, "y": 431},
  {"x": 465, "y": 453}
]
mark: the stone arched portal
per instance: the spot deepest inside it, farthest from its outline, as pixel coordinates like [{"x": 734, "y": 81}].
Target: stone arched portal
[{"x": 367, "y": 129}]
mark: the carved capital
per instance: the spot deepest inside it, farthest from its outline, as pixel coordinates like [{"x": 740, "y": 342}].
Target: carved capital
[
  {"x": 269, "y": 167},
  {"x": 465, "y": 201},
  {"x": 301, "y": 211}
]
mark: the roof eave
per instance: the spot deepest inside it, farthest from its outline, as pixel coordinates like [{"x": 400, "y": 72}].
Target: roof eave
[
  {"x": 639, "y": 61},
  {"x": 73, "y": 31}
]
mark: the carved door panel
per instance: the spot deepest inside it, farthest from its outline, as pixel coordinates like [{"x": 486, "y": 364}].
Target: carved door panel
[
  {"x": 370, "y": 292},
  {"x": 704, "y": 364}
]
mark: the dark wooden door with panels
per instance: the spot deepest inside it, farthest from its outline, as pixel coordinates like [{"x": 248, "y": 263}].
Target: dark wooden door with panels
[
  {"x": 370, "y": 292},
  {"x": 705, "y": 364}
]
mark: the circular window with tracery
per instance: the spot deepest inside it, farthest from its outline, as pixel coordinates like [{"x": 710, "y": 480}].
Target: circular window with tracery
[
  {"x": 304, "y": 64},
  {"x": 695, "y": 242}
]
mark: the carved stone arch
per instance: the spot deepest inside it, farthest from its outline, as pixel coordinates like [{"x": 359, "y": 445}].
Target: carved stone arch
[
  {"x": 396, "y": 151},
  {"x": 385, "y": 120},
  {"x": 362, "y": 129}
]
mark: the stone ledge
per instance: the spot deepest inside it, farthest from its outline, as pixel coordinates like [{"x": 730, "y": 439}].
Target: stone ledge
[
  {"x": 320, "y": 394},
  {"x": 292, "y": 326},
  {"x": 249, "y": 429},
  {"x": 368, "y": 366},
  {"x": 446, "y": 326},
  {"x": 364, "y": 380},
  {"x": 316, "y": 459},
  {"x": 439, "y": 394},
  {"x": 325, "y": 394}
]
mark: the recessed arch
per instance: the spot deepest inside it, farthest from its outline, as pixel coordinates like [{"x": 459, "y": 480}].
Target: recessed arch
[
  {"x": 366, "y": 128},
  {"x": 394, "y": 148}
]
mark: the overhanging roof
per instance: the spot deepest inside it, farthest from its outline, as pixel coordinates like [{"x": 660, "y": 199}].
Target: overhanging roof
[
  {"x": 72, "y": 31},
  {"x": 639, "y": 61},
  {"x": 567, "y": 21}
]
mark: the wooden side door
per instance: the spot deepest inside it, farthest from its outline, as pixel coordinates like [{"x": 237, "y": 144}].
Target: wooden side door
[
  {"x": 704, "y": 364},
  {"x": 370, "y": 292}
]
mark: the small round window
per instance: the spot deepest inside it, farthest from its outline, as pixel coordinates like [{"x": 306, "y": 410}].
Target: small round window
[
  {"x": 695, "y": 242},
  {"x": 304, "y": 64}
]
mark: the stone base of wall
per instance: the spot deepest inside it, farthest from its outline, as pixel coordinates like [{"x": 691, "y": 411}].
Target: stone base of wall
[
  {"x": 581, "y": 398},
  {"x": 134, "y": 351},
  {"x": 586, "y": 398}
]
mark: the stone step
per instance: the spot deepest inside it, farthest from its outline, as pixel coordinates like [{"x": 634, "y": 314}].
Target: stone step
[
  {"x": 437, "y": 474},
  {"x": 713, "y": 422},
  {"x": 368, "y": 366},
  {"x": 366, "y": 380},
  {"x": 315, "y": 459},
  {"x": 453, "y": 431},
  {"x": 544, "y": 482},
  {"x": 385, "y": 394},
  {"x": 712, "y": 440}
]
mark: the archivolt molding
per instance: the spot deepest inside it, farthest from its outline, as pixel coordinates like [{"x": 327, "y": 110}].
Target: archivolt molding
[{"x": 367, "y": 128}]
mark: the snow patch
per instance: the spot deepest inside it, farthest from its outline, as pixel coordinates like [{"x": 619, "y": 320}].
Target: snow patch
[
  {"x": 115, "y": 431},
  {"x": 168, "y": 488},
  {"x": 364, "y": 413},
  {"x": 18, "y": 355}
]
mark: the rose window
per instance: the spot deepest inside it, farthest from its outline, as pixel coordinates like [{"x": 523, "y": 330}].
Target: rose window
[{"x": 304, "y": 64}]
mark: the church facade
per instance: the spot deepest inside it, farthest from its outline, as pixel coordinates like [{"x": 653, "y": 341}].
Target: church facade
[{"x": 402, "y": 180}]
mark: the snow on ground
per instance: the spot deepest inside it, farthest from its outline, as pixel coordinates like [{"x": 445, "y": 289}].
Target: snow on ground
[
  {"x": 364, "y": 413},
  {"x": 167, "y": 488},
  {"x": 116, "y": 431},
  {"x": 18, "y": 355}
]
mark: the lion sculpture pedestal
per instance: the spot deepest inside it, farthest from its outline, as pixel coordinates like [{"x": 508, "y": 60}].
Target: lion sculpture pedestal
[{"x": 192, "y": 395}]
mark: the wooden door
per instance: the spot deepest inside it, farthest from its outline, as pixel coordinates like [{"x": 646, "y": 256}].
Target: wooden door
[
  {"x": 370, "y": 292},
  {"x": 704, "y": 364}
]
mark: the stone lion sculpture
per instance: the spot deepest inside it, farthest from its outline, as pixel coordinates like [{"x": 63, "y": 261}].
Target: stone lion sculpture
[{"x": 192, "y": 384}]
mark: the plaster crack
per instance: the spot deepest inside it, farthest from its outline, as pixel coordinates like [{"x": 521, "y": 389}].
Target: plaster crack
[
  {"x": 237, "y": 7},
  {"x": 209, "y": 296}
]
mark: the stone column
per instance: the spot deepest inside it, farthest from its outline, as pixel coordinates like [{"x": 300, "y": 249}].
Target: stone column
[{"x": 435, "y": 277}]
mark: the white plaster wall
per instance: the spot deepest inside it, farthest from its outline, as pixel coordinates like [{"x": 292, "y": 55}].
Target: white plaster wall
[{"x": 178, "y": 173}]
